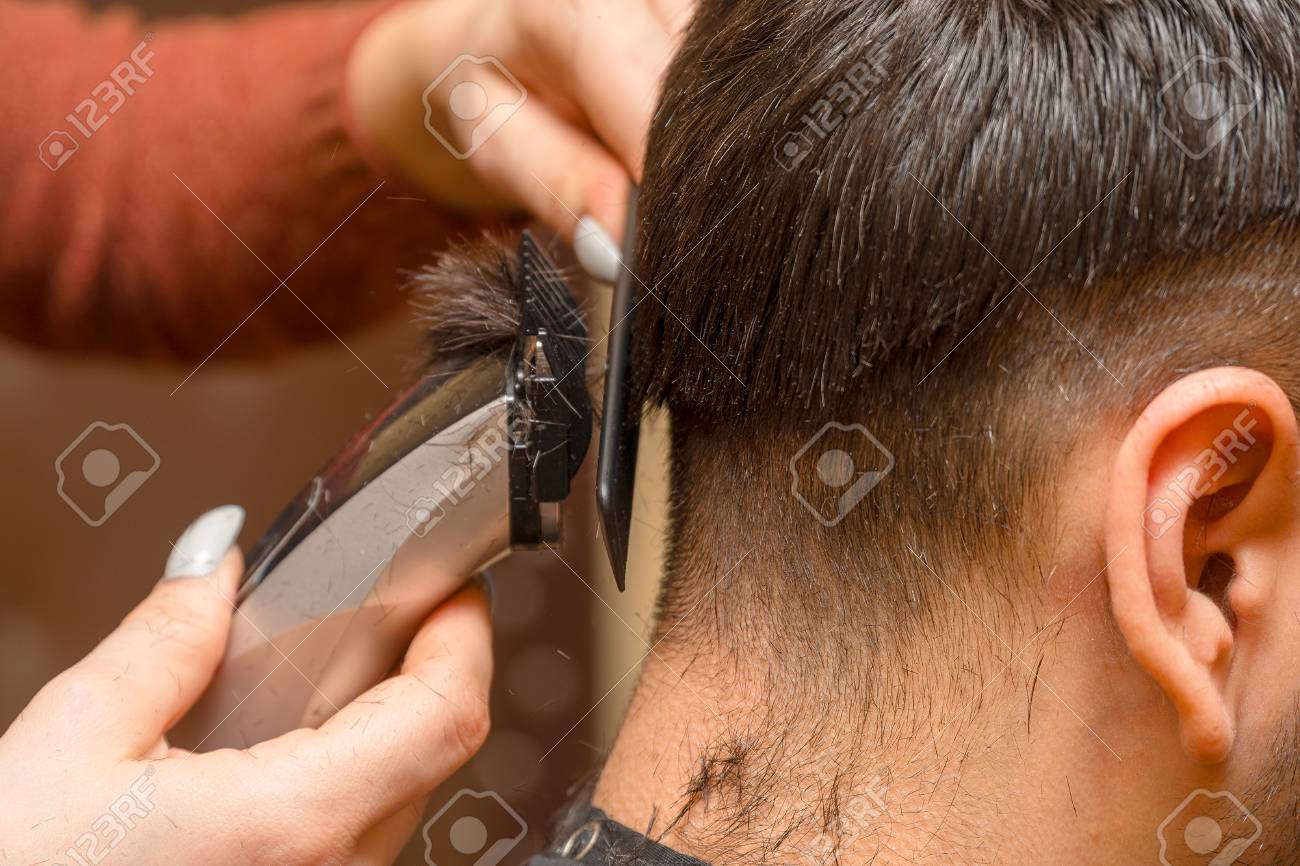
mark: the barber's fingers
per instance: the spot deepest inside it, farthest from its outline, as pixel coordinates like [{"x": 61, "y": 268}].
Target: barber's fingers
[
  {"x": 612, "y": 55},
  {"x": 382, "y": 843},
  {"x": 555, "y": 170},
  {"x": 401, "y": 739},
  {"x": 141, "y": 678}
]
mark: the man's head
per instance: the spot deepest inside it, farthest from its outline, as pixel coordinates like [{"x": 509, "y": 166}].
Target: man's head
[{"x": 977, "y": 324}]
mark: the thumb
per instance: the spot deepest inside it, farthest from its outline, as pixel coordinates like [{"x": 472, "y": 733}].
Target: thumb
[{"x": 151, "y": 669}]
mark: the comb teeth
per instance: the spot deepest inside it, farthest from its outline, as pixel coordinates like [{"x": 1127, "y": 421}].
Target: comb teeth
[{"x": 548, "y": 305}]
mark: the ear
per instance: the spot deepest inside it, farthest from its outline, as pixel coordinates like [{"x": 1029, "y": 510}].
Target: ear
[{"x": 1201, "y": 508}]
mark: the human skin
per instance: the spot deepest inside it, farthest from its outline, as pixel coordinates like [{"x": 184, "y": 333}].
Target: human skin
[
  {"x": 1130, "y": 699},
  {"x": 591, "y": 71},
  {"x": 92, "y": 743}
]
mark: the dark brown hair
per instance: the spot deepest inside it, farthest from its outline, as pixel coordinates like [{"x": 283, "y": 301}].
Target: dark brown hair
[{"x": 976, "y": 229}]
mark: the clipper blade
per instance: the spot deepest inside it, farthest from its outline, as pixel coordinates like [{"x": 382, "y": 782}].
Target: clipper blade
[{"x": 550, "y": 409}]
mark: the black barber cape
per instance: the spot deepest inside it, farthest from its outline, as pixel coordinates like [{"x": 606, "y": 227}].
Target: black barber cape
[{"x": 595, "y": 839}]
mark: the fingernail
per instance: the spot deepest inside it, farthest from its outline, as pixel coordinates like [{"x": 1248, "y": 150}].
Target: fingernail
[
  {"x": 596, "y": 251},
  {"x": 489, "y": 588},
  {"x": 205, "y": 543}
]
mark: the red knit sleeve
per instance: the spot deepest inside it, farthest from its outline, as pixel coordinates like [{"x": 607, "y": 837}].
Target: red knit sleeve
[{"x": 158, "y": 182}]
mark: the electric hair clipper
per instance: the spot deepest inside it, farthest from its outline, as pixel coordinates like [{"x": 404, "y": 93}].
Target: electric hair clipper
[{"x": 468, "y": 464}]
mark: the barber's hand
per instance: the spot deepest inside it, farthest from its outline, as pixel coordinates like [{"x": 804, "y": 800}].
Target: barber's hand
[
  {"x": 87, "y": 770},
  {"x": 590, "y": 70}
]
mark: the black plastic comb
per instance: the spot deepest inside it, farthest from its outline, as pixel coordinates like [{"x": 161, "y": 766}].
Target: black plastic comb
[{"x": 620, "y": 425}]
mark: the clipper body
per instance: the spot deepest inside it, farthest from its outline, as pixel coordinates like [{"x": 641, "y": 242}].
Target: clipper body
[{"x": 465, "y": 466}]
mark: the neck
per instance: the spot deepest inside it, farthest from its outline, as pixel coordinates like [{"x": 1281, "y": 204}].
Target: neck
[{"x": 729, "y": 767}]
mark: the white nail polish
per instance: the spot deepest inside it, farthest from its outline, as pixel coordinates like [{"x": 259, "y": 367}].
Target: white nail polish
[
  {"x": 596, "y": 251},
  {"x": 204, "y": 543}
]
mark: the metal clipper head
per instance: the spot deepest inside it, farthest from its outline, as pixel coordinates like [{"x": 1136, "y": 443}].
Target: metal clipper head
[{"x": 546, "y": 394}]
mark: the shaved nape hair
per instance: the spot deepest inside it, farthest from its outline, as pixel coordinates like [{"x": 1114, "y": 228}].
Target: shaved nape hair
[{"x": 966, "y": 234}]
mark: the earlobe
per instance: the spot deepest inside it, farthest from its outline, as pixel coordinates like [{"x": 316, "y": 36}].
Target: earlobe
[{"x": 1201, "y": 494}]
